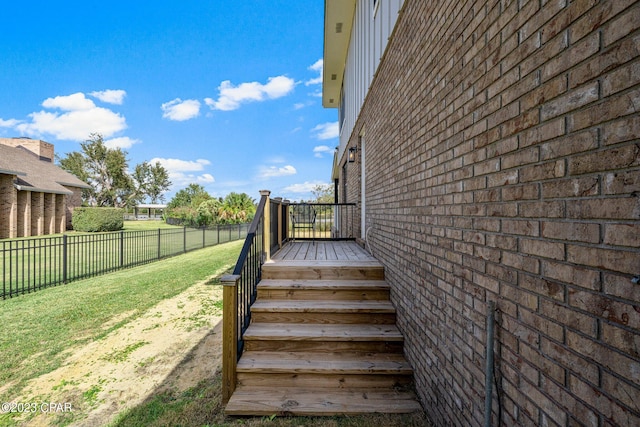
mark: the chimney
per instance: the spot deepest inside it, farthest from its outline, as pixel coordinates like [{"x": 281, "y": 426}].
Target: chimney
[{"x": 40, "y": 148}]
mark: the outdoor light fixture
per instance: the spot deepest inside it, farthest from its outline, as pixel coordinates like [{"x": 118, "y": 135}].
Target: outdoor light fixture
[{"x": 352, "y": 154}]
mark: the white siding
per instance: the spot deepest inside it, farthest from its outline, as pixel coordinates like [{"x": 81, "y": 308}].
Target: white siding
[{"x": 368, "y": 41}]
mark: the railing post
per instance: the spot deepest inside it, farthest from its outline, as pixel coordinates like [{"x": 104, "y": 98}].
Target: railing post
[
  {"x": 229, "y": 334},
  {"x": 285, "y": 214},
  {"x": 266, "y": 235}
]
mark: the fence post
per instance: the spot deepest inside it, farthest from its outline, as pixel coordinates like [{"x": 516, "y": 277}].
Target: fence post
[
  {"x": 159, "y": 240},
  {"x": 184, "y": 239},
  {"x": 121, "y": 248},
  {"x": 203, "y": 236},
  {"x": 229, "y": 334},
  {"x": 266, "y": 233},
  {"x": 64, "y": 258}
]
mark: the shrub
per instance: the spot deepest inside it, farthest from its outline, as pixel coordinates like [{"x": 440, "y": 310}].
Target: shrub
[{"x": 97, "y": 219}]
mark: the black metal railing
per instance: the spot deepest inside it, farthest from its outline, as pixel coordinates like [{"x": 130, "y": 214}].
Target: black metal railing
[
  {"x": 28, "y": 265},
  {"x": 321, "y": 221},
  {"x": 249, "y": 270},
  {"x": 279, "y": 227}
]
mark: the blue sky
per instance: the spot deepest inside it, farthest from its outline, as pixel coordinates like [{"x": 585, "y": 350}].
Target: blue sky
[{"x": 223, "y": 94}]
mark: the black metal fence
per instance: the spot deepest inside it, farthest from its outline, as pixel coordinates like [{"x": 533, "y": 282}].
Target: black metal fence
[
  {"x": 32, "y": 264},
  {"x": 322, "y": 221}
]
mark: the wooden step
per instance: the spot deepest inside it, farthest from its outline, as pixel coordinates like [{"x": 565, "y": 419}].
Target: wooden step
[
  {"x": 332, "y": 337},
  {"x": 333, "y": 270},
  {"x": 324, "y": 289},
  {"x": 337, "y": 370},
  {"x": 309, "y": 362},
  {"x": 323, "y": 311},
  {"x": 318, "y": 402}
]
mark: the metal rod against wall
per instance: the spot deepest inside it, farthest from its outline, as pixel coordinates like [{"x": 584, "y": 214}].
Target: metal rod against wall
[{"x": 488, "y": 383}]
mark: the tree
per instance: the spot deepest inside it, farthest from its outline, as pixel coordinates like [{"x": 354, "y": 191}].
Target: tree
[
  {"x": 151, "y": 181},
  {"x": 237, "y": 208},
  {"x": 323, "y": 193},
  {"x": 105, "y": 170},
  {"x": 191, "y": 196}
]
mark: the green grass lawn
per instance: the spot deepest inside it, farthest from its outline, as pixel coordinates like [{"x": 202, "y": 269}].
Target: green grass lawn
[{"x": 38, "y": 328}]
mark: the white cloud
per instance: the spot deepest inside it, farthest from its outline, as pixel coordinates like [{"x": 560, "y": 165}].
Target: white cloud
[
  {"x": 123, "y": 142},
  {"x": 74, "y": 102},
  {"x": 274, "y": 171},
  {"x": 179, "y": 171},
  {"x": 322, "y": 149},
  {"x": 326, "y": 131},
  {"x": 298, "y": 106},
  {"x": 231, "y": 97},
  {"x": 110, "y": 96},
  {"x": 305, "y": 187},
  {"x": 177, "y": 165},
  {"x": 180, "y": 110},
  {"x": 317, "y": 66},
  {"x": 9, "y": 123},
  {"x": 206, "y": 178},
  {"x": 79, "y": 117}
]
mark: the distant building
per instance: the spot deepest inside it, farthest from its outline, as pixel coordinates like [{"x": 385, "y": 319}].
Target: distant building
[{"x": 36, "y": 196}]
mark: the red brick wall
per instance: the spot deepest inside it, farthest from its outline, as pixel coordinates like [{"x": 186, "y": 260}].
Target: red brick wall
[
  {"x": 8, "y": 207},
  {"x": 503, "y": 160},
  {"x": 37, "y": 214}
]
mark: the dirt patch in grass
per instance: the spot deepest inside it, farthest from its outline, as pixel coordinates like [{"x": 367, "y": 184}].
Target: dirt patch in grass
[{"x": 169, "y": 348}]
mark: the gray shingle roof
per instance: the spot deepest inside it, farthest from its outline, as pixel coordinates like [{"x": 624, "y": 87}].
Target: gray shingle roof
[{"x": 34, "y": 174}]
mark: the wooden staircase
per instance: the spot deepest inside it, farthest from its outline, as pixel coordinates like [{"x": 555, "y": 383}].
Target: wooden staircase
[{"x": 322, "y": 341}]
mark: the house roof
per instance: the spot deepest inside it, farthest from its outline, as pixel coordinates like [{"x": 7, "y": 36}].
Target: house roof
[
  {"x": 34, "y": 174},
  {"x": 338, "y": 20}
]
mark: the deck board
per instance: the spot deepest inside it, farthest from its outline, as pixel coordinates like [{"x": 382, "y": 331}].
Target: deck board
[{"x": 322, "y": 251}]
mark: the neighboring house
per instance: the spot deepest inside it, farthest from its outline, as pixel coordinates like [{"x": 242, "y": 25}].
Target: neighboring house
[
  {"x": 36, "y": 196},
  {"x": 496, "y": 158}
]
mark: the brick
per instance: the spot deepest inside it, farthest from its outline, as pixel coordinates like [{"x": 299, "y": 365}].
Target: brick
[
  {"x": 624, "y": 340},
  {"x": 521, "y": 227},
  {"x": 572, "y": 187},
  {"x": 605, "y": 307},
  {"x": 602, "y": 403},
  {"x": 542, "y": 248},
  {"x": 583, "y": 415},
  {"x": 621, "y": 26},
  {"x": 611, "y": 108},
  {"x": 520, "y": 158},
  {"x": 569, "y": 360},
  {"x": 608, "y": 259},
  {"x": 607, "y": 60},
  {"x": 621, "y": 130},
  {"x": 571, "y": 231},
  {"x": 542, "y": 287},
  {"x": 602, "y": 355},
  {"x": 621, "y": 286},
  {"x": 622, "y": 235},
  {"x": 609, "y": 208},
  {"x": 571, "y": 144},
  {"x": 570, "y": 101},
  {"x": 621, "y": 79},
  {"x": 573, "y": 55},
  {"x": 614, "y": 158},
  {"x": 521, "y": 262},
  {"x": 543, "y": 93},
  {"x": 542, "y": 209},
  {"x": 572, "y": 274},
  {"x": 569, "y": 317},
  {"x": 521, "y": 192},
  {"x": 544, "y": 132},
  {"x": 618, "y": 183},
  {"x": 543, "y": 171}
]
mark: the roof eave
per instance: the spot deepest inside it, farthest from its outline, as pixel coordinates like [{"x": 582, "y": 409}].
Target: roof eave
[{"x": 338, "y": 21}]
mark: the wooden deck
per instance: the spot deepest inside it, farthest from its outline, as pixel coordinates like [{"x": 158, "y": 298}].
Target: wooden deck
[{"x": 322, "y": 251}]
